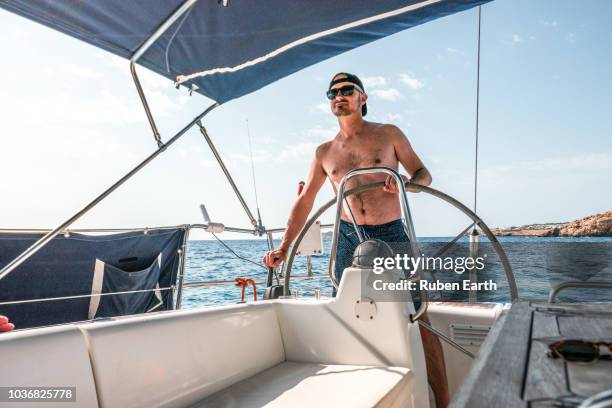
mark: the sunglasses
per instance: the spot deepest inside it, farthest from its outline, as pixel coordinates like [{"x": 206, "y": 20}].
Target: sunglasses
[
  {"x": 579, "y": 350},
  {"x": 346, "y": 90}
]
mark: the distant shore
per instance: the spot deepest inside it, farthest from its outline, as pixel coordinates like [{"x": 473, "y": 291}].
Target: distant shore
[{"x": 598, "y": 225}]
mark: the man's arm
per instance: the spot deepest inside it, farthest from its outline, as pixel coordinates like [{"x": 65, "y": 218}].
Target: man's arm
[
  {"x": 300, "y": 211},
  {"x": 409, "y": 160}
]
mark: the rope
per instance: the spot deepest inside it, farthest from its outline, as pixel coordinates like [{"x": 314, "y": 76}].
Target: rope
[
  {"x": 477, "y": 112},
  {"x": 235, "y": 254},
  {"x": 244, "y": 283}
]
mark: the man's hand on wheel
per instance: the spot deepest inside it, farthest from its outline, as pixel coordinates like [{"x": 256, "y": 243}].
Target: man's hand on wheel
[
  {"x": 391, "y": 184},
  {"x": 273, "y": 259}
]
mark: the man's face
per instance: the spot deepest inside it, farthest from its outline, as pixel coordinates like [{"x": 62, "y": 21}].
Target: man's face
[{"x": 347, "y": 105}]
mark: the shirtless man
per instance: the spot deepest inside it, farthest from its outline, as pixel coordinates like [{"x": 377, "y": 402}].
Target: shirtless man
[{"x": 377, "y": 212}]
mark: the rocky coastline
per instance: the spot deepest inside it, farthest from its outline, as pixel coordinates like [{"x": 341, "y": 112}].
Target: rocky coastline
[{"x": 598, "y": 225}]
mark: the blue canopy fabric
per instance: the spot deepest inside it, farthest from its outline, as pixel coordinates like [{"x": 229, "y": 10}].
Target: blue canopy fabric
[{"x": 228, "y": 52}]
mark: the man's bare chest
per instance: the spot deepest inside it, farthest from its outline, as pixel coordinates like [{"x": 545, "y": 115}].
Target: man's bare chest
[{"x": 344, "y": 157}]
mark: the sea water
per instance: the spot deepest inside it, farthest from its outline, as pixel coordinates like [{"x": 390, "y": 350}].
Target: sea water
[{"x": 537, "y": 263}]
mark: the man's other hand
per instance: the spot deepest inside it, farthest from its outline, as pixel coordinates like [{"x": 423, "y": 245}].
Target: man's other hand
[
  {"x": 391, "y": 184},
  {"x": 274, "y": 258}
]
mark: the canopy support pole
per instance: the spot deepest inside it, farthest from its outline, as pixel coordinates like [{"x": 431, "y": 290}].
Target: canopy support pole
[
  {"x": 143, "y": 99},
  {"x": 142, "y": 49},
  {"x": 49, "y": 236},
  {"x": 214, "y": 151},
  {"x": 181, "y": 268}
]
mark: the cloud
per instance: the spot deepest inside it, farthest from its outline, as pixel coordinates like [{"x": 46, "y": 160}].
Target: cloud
[
  {"x": 80, "y": 71},
  {"x": 389, "y": 94},
  {"x": 552, "y": 23},
  {"x": 516, "y": 39},
  {"x": 259, "y": 156},
  {"x": 69, "y": 144},
  {"x": 571, "y": 38},
  {"x": 321, "y": 134},
  {"x": 452, "y": 50},
  {"x": 411, "y": 81},
  {"x": 290, "y": 153},
  {"x": 301, "y": 151},
  {"x": 17, "y": 33},
  {"x": 322, "y": 107},
  {"x": 163, "y": 98},
  {"x": 394, "y": 117},
  {"x": 264, "y": 140},
  {"x": 98, "y": 109},
  {"x": 584, "y": 162},
  {"x": 374, "y": 81}
]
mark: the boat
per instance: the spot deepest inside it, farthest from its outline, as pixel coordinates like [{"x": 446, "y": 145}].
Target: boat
[{"x": 98, "y": 312}]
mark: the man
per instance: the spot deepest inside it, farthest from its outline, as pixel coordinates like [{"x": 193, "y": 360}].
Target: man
[{"x": 377, "y": 212}]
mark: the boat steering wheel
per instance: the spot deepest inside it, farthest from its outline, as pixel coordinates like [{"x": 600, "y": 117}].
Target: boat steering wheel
[{"x": 415, "y": 187}]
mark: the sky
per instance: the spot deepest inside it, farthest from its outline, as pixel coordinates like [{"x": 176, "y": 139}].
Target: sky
[{"x": 72, "y": 124}]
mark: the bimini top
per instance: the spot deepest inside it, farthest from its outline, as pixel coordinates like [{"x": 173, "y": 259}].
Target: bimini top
[{"x": 229, "y": 48}]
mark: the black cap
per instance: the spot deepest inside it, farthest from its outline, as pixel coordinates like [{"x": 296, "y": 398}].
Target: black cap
[{"x": 346, "y": 77}]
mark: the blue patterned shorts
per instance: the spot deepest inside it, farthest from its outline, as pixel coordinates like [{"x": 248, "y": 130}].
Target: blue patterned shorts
[{"x": 392, "y": 233}]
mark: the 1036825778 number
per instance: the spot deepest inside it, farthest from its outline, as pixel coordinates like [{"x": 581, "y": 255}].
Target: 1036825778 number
[{"x": 32, "y": 394}]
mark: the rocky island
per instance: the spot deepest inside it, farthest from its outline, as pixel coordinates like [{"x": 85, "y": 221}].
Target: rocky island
[{"x": 598, "y": 225}]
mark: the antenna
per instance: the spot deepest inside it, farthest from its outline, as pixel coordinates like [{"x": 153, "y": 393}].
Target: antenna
[
  {"x": 253, "y": 173},
  {"x": 477, "y": 118},
  {"x": 205, "y": 214}
]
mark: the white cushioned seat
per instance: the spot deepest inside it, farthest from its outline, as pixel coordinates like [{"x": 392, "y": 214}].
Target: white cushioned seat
[
  {"x": 176, "y": 359},
  {"x": 48, "y": 357},
  {"x": 293, "y": 384}
]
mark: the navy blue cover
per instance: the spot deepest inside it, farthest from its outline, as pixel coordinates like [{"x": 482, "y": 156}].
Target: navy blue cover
[
  {"x": 65, "y": 267},
  {"x": 211, "y": 36}
]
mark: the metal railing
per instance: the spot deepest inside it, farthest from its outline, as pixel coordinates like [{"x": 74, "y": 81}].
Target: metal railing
[
  {"x": 405, "y": 210},
  {"x": 182, "y": 251},
  {"x": 88, "y": 295},
  {"x": 341, "y": 196},
  {"x": 566, "y": 285}
]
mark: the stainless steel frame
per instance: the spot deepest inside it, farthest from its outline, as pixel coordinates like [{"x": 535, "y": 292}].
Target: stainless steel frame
[
  {"x": 49, "y": 236},
  {"x": 142, "y": 49},
  {"x": 405, "y": 209},
  {"x": 183, "y": 259},
  {"x": 229, "y": 177},
  {"x": 89, "y": 295},
  {"x": 416, "y": 187},
  {"x": 107, "y": 230},
  {"x": 232, "y": 282},
  {"x": 81, "y": 230},
  {"x": 594, "y": 285},
  {"x": 181, "y": 269}
]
